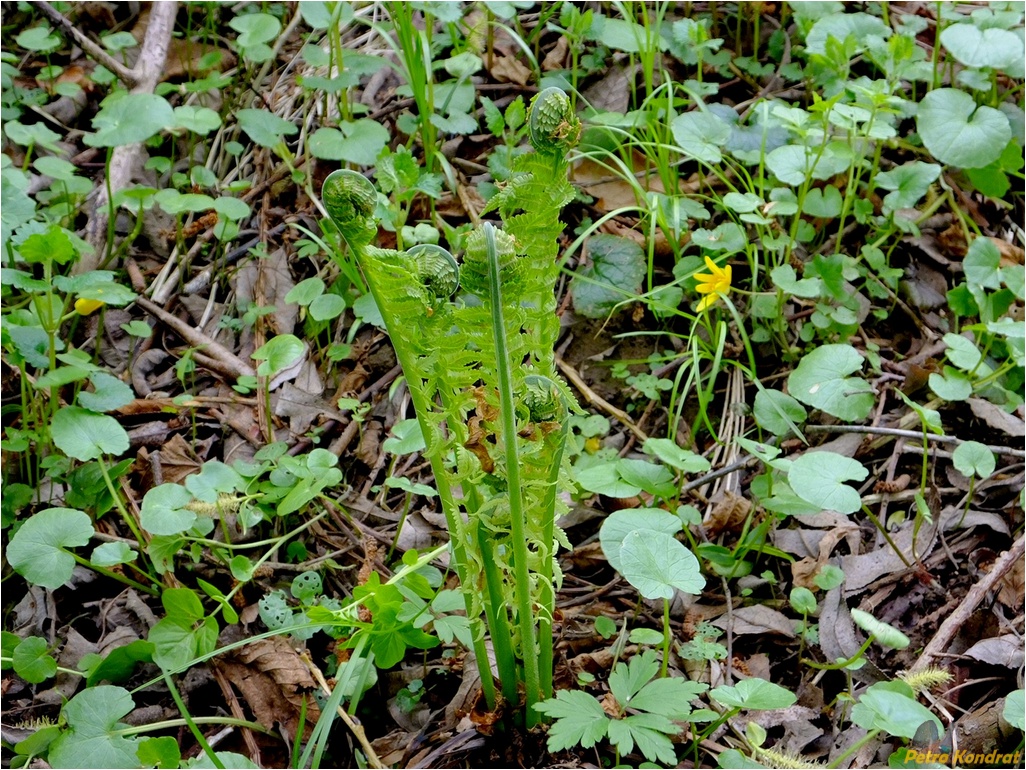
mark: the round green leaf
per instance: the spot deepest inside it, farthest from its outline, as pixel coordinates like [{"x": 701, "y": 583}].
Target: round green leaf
[
  {"x": 164, "y": 510},
  {"x": 32, "y": 661},
  {"x": 671, "y": 454},
  {"x": 700, "y": 135},
  {"x": 37, "y": 550},
  {"x": 973, "y": 459},
  {"x": 614, "y": 274},
  {"x": 91, "y": 740},
  {"x": 305, "y": 292},
  {"x": 85, "y": 435},
  {"x": 818, "y": 478},
  {"x": 803, "y": 601},
  {"x": 264, "y": 128},
  {"x": 603, "y": 479},
  {"x": 888, "y": 706},
  {"x": 199, "y": 120},
  {"x": 111, "y": 554},
  {"x": 326, "y": 307},
  {"x": 820, "y": 380},
  {"x": 108, "y": 393},
  {"x": 952, "y": 385},
  {"x": 778, "y": 412},
  {"x": 974, "y": 47},
  {"x": 231, "y": 208},
  {"x": 278, "y": 354},
  {"x": 754, "y": 694},
  {"x": 962, "y": 352},
  {"x": 1015, "y": 709},
  {"x": 618, "y": 525},
  {"x": 656, "y": 564},
  {"x": 958, "y": 132},
  {"x": 131, "y": 119}
]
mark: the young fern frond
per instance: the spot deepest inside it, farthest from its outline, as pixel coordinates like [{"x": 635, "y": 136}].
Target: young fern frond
[{"x": 482, "y": 380}]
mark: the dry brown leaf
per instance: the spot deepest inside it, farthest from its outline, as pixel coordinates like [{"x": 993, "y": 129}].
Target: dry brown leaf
[
  {"x": 507, "y": 69},
  {"x": 997, "y": 418},
  {"x": 556, "y": 58},
  {"x": 1004, "y": 650},
  {"x": 1013, "y": 586},
  {"x": 611, "y": 192},
  {"x": 274, "y": 682},
  {"x": 757, "y": 619},
  {"x": 728, "y": 514},
  {"x": 178, "y": 460}
]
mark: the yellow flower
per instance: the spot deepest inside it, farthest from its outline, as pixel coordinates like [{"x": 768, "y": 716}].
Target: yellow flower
[
  {"x": 714, "y": 284},
  {"x": 86, "y": 306}
]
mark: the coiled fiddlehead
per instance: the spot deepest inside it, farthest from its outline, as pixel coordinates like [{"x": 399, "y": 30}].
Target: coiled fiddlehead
[
  {"x": 543, "y": 399},
  {"x": 554, "y": 126},
  {"x": 436, "y": 268},
  {"x": 350, "y": 199},
  {"x": 474, "y": 273}
]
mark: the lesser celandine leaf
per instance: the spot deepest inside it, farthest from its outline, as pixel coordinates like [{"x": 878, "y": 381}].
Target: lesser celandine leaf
[
  {"x": 755, "y": 694},
  {"x": 889, "y": 706},
  {"x": 821, "y": 380},
  {"x": 91, "y": 740},
  {"x": 972, "y": 458},
  {"x": 37, "y": 551},
  {"x": 657, "y": 564},
  {"x": 621, "y": 523},
  {"x": 960, "y": 133},
  {"x": 85, "y": 435},
  {"x": 164, "y": 510},
  {"x": 131, "y": 119},
  {"x": 818, "y": 477},
  {"x": 1015, "y": 709}
]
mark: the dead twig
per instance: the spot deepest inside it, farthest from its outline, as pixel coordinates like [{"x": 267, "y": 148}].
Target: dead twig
[
  {"x": 972, "y": 600},
  {"x": 217, "y": 357},
  {"x": 127, "y": 76},
  {"x": 595, "y": 399},
  {"x": 910, "y": 434}
]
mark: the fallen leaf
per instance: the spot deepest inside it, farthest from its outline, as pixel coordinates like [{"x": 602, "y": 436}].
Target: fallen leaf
[
  {"x": 274, "y": 682},
  {"x": 757, "y": 619},
  {"x": 507, "y": 69},
  {"x": 997, "y": 418},
  {"x": 1004, "y": 651}
]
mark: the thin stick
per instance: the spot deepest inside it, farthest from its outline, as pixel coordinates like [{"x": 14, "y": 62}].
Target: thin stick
[
  {"x": 127, "y": 76},
  {"x": 595, "y": 399},
  {"x": 962, "y": 613},
  {"x": 352, "y": 724},
  {"x": 913, "y": 434}
]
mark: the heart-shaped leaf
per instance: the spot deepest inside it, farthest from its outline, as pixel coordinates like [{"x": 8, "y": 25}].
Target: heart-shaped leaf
[
  {"x": 618, "y": 525},
  {"x": 818, "y": 477},
  {"x": 91, "y": 740},
  {"x": 820, "y": 380},
  {"x": 85, "y": 435},
  {"x": 754, "y": 694},
  {"x": 657, "y": 564},
  {"x": 958, "y": 132},
  {"x": 38, "y": 552}
]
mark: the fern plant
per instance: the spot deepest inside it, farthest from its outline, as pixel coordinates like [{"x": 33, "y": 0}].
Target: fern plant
[{"x": 481, "y": 375}]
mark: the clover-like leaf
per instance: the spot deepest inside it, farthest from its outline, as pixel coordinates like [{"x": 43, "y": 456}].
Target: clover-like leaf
[
  {"x": 657, "y": 564},
  {"x": 85, "y": 435},
  {"x": 820, "y": 380},
  {"x": 960, "y": 133},
  {"x": 91, "y": 740},
  {"x": 38, "y": 550},
  {"x": 818, "y": 477}
]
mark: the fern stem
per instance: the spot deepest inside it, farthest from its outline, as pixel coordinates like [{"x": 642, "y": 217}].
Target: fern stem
[{"x": 518, "y": 521}]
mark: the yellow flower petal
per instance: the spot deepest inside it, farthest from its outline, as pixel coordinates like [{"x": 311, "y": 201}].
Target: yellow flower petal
[
  {"x": 707, "y": 302},
  {"x": 87, "y": 306}
]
